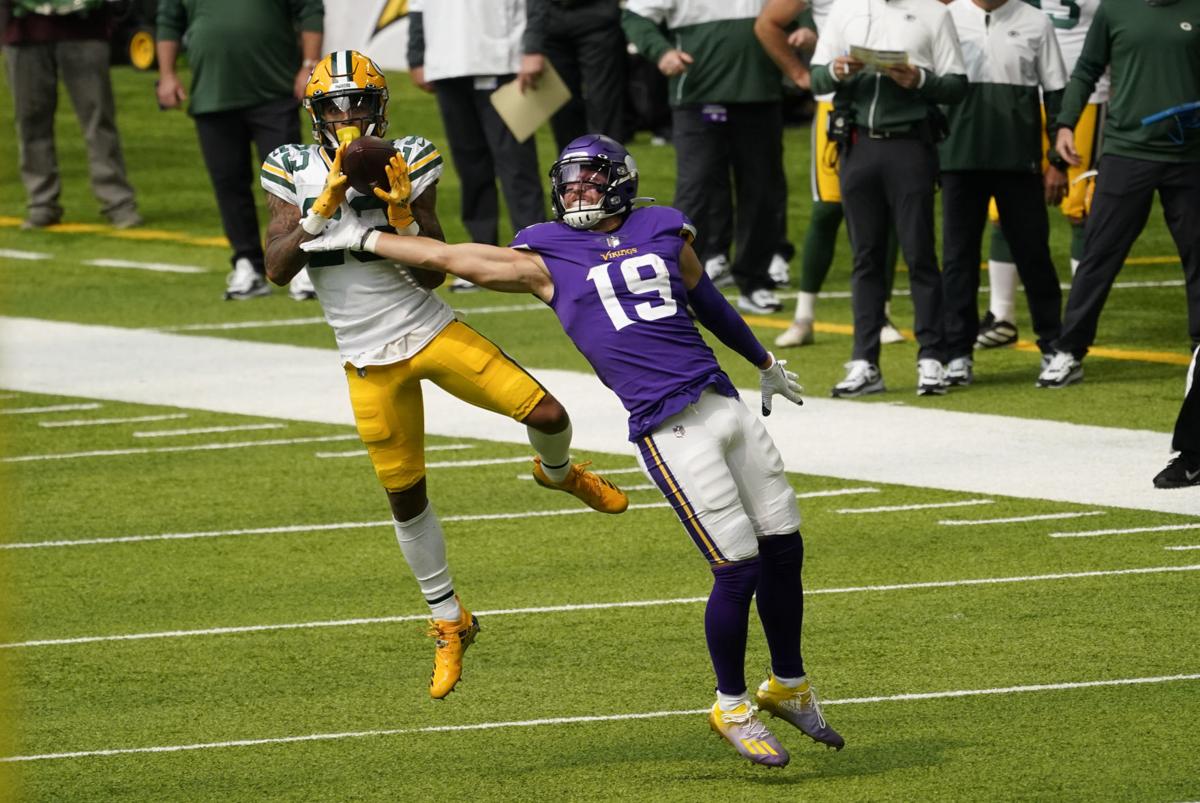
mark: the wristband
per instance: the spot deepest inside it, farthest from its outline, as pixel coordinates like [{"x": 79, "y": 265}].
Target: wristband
[
  {"x": 313, "y": 223},
  {"x": 370, "y": 241}
]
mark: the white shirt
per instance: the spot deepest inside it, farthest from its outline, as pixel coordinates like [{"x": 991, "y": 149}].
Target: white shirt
[
  {"x": 471, "y": 37},
  {"x": 1013, "y": 44},
  {"x": 921, "y": 28}
]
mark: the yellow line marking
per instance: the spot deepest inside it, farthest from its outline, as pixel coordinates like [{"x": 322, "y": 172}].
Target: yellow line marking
[
  {"x": 1133, "y": 355},
  {"x": 124, "y": 234}
]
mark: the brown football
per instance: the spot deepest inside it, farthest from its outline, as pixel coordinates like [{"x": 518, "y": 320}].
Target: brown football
[{"x": 364, "y": 162}]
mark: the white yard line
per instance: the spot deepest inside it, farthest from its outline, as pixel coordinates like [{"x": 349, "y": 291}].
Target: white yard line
[
  {"x": 542, "y": 722},
  {"x": 95, "y": 422},
  {"x": 591, "y": 606},
  {"x": 169, "y": 433},
  {"x": 494, "y": 461},
  {"x": 200, "y": 447},
  {"x": 53, "y": 408},
  {"x": 837, "y": 492},
  {"x": 223, "y": 327},
  {"x": 158, "y": 267},
  {"x": 901, "y": 508},
  {"x": 32, "y": 256},
  {"x": 1160, "y": 529},
  {"x": 448, "y": 447},
  {"x": 1182, "y": 548},
  {"x": 1018, "y": 519}
]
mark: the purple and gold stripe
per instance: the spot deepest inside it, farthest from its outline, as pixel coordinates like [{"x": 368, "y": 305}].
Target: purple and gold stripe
[{"x": 661, "y": 474}]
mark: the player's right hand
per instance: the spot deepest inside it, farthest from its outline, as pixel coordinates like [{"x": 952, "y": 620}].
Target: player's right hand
[
  {"x": 336, "y": 183},
  {"x": 396, "y": 197},
  {"x": 351, "y": 233},
  {"x": 777, "y": 379},
  {"x": 1064, "y": 143}
]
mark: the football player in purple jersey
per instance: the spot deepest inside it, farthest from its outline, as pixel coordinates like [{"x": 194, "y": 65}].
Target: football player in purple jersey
[{"x": 628, "y": 289}]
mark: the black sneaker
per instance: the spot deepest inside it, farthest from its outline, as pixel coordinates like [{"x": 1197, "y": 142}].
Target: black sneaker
[
  {"x": 1183, "y": 471},
  {"x": 994, "y": 334}
]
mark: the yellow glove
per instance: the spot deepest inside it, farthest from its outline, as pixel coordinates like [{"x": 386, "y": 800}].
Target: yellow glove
[
  {"x": 399, "y": 213},
  {"x": 336, "y": 183}
]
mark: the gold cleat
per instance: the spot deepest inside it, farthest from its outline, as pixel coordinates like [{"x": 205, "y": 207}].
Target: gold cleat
[
  {"x": 592, "y": 489},
  {"x": 452, "y": 637}
]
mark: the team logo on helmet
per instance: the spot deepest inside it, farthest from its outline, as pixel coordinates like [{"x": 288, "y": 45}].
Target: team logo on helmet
[{"x": 346, "y": 91}]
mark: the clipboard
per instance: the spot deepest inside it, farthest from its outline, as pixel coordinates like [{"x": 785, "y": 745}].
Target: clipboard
[{"x": 525, "y": 113}]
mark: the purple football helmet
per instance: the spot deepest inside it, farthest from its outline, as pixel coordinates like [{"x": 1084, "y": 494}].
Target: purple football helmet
[{"x": 606, "y": 166}]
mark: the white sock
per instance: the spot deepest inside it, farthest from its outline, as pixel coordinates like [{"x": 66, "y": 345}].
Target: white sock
[
  {"x": 791, "y": 683},
  {"x": 1002, "y": 277},
  {"x": 424, "y": 547},
  {"x": 1074, "y": 266},
  {"x": 728, "y": 702},
  {"x": 805, "y": 304},
  {"x": 555, "y": 451}
]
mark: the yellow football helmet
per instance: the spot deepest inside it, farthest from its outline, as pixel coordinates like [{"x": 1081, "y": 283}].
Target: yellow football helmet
[{"x": 346, "y": 87}]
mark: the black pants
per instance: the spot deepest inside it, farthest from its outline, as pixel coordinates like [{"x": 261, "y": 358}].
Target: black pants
[
  {"x": 483, "y": 149},
  {"x": 1120, "y": 208},
  {"x": 587, "y": 48},
  {"x": 225, "y": 139},
  {"x": 884, "y": 180},
  {"x": 1187, "y": 426},
  {"x": 1020, "y": 199},
  {"x": 750, "y": 143}
]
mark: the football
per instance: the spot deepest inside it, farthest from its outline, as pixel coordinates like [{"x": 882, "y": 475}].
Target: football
[{"x": 364, "y": 162}]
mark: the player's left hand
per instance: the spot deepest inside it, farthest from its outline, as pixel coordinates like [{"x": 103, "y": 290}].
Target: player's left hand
[
  {"x": 396, "y": 196},
  {"x": 778, "y": 379},
  {"x": 350, "y": 234}
]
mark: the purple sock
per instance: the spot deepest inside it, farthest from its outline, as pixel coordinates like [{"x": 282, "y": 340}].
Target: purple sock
[
  {"x": 780, "y": 601},
  {"x": 725, "y": 622}
]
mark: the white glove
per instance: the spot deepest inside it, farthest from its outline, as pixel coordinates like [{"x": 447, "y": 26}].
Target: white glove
[
  {"x": 350, "y": 234},
  {"x": 778, "y": 379}
]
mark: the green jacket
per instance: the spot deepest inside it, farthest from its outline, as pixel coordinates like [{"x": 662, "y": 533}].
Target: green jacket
[
  {"x": 1154, "y": 52},
  {"x": 242, "y": 52}
]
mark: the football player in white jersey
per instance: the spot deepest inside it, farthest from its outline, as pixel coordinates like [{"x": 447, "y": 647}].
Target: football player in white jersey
[
  {"x": 1071, "y": 19},
  {"x": 393, "y": 331}
]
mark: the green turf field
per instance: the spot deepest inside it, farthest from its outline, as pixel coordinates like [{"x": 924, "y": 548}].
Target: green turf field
[{"x": 188, "y": 622}]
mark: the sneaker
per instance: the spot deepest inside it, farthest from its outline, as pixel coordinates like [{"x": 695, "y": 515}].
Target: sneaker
[
  {"x": 862, "y": 378},
  {"x": 761, "y": 302},
  {"x": 931, "y": 378},
  {"x": 126, "y": 219},
  {"x": 778, "y": 271},
  {"x": 718, "y": 270},
  {"x": 800, "y": 333},
  {"x": 301, "y": 287},
  {"x": 1183, "y": 471},
  {"x": 742, "y": 729},
  {"x": 245, "y": 282},
  {"x": 595, "y": 491},
  {"x": 1062, "y": 370},
  {"x": 41, "y": 219},
  {"x": 889, "y": 334},
  {"x": 994, "y": 334},
  {"x": 451, "y": 639},
  {"x": 960, "y": 372},
  {"x": 798, "y": 706},
  {"x": 463, "y": 286}
]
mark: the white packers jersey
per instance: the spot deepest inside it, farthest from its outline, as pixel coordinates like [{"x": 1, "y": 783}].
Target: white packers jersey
[
  {"x": 378, "y": 312},
  {"x": 1072, "y": 19}
]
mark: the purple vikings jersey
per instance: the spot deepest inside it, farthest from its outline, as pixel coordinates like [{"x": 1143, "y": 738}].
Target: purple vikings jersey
[{"x": 620, "y": 298}]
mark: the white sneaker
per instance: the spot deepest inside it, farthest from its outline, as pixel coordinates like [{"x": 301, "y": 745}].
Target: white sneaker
[
  {"x": 931, "y": 378},
  {"x": 463, "y": 286},
  {"x": 889, "y": 334},
  {"x": 761, "y": 302},
  {"x": 1062, "y": 370},
  {"x": 301, "y": 287},
  {"x": 718, "y": 270},
  {"x": 778, "y": 271},
  {"x": 960, "y": 372},
  {"x": 800, "y": 333},
  {"x": 244, "y": 282},
  {"x": 862, "y": 378}
]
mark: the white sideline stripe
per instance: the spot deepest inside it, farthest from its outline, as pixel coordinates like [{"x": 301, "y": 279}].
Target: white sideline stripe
[
  {"x": 159, "y": 267},
  {"x": 300, "y": 528},
  {"x": 363, "y": 452},
  {"x": 92, "y": 422},
  {"x": 166, "y": 433},
  {"x": 30, "y": 255},
  {"x": 929, "y": 506},
  {"x": 1161, "y": 529},
  {"x": 53, "y": 408},
  {"x": 200, "y": 447},
  {"x": 1015, "y": 519},
  {"x": 220, "y": 327},
  {"x": 590, "y": 606},
  {"x": 1182, "y": 548},
  {"x": 532, "y": 723}
]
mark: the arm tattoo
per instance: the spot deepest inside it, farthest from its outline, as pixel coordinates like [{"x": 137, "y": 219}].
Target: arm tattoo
[
  {"x": 424, "y": 210},
  {"x": 283, "y": 255}
]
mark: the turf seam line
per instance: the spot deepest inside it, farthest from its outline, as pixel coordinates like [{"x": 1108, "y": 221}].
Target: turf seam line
[
  {"x": 589, "y": 606},
  {"x": 530, "y": 723}
]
